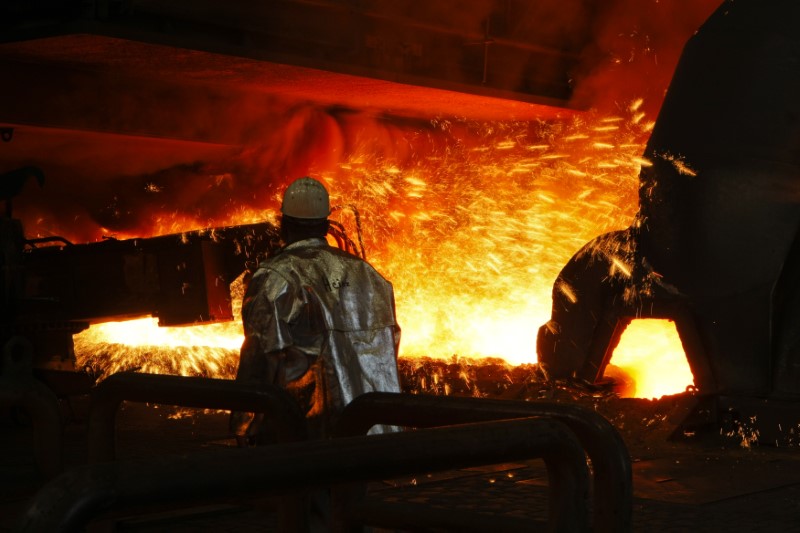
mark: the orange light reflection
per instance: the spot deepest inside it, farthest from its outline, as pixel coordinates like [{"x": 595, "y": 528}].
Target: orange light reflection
[{"x": 650, "y": 351}]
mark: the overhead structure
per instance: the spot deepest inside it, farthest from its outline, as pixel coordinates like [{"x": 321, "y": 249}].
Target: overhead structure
[{"x": 492, "y": 59}]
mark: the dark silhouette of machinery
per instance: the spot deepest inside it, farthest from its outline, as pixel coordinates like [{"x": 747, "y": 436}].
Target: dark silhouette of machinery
[
  {"x": 11, "y": 183},
  {"x": 715, "y": 246},
  {"x": 52, "y": 288}
]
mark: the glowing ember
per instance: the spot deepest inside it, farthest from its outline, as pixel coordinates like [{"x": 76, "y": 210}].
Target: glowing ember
[
  {"x": 650, "y": 351},
  {"x": 472, "y": 225}
]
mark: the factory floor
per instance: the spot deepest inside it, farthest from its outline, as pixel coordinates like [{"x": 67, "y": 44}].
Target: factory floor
[{"x": 698, "y": 484}]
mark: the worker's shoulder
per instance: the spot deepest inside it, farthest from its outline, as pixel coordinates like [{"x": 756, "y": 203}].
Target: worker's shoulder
[
  {"x": 313, "y": 250},
  {"x": 293, "y": 259},
  {"x": 273, "y": 270},
  {"x": 342, "y": 254},
  {"x": 353, "y": 261}
]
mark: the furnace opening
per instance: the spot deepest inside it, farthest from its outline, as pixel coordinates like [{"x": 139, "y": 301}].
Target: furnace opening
[{"x": 651, "y": 359}]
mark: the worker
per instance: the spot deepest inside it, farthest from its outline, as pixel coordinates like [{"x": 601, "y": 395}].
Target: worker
[{"x": 318, "y": 321}]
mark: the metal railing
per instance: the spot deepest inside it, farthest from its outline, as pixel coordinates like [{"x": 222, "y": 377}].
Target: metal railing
[
  {"x": 612, "y": 495},
  {"x": 69, "y": 502},
  {"x": 274, "y": 402},
  {"x": 612, "y": 474}
]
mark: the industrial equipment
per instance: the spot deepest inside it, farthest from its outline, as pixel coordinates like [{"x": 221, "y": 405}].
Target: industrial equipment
[
  {"x": 53, "y": 288},
  {"x": 715, "y": 244}
]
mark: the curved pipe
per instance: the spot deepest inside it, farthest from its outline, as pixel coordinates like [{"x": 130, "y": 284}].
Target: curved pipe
[
  {"x": 613, "y": 479},
  {"x": 69, "y": 502},
  {"x": 185, "y": 392}
]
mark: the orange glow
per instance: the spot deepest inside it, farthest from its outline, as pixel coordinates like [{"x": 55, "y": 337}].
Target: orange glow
[
  {"x": 474, "y": 237},
  {"x": 472, "y": 230},
  {"x": 650, "y": 351}
]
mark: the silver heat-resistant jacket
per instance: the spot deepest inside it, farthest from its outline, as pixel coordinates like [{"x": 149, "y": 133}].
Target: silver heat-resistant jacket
[{"x": 320, "y": 322}]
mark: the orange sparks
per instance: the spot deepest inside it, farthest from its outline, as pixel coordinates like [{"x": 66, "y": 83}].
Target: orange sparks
[{"x": 472, "y": 234}]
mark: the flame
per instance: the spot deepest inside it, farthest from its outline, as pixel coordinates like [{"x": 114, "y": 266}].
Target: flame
[
  {"x": 475, "y": 236},
  {"x": 650, "y": 351},
  {"x": 472, "y": 229}
]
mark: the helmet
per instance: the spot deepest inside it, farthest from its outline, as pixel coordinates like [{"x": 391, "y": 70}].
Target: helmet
[{"x": 306, "y": 198}]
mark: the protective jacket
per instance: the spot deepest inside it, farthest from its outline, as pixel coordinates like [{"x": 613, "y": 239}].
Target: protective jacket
[{"x": 321, "y": 323}]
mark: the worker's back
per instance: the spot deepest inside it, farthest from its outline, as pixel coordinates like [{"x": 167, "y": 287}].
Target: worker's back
[{"x": 339, "y": 312}]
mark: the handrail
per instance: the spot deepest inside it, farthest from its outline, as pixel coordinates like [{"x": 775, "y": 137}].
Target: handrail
[
  {"x": 73, "y": 499},
  {"x": 184, "y": 391},
  {"x": 613, "y": 479}
]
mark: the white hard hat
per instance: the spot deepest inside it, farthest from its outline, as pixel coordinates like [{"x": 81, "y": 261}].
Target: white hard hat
[{"x": 306, "y": 198}]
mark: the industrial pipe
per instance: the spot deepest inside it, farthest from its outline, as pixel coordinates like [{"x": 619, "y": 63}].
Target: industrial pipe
[
  {"x": 208, "y": 393},
  {"x": 613, "y": 480},
  {"x": 70, "y": 501}
]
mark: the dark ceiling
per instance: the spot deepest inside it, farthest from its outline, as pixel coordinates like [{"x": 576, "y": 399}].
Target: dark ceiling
[
  {"x": 98, "y": 91},
  {"x": 497, "y": 60},
  {"x": 118, "y": 66}
]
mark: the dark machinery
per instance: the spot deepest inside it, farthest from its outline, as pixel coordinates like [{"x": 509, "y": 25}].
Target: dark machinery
[
  {"x": 715, "y": 246},
  {"x": 53, "y": 289}
]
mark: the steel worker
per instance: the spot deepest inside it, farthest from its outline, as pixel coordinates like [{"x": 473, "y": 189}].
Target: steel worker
[{"x": 318, "y": 321}]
